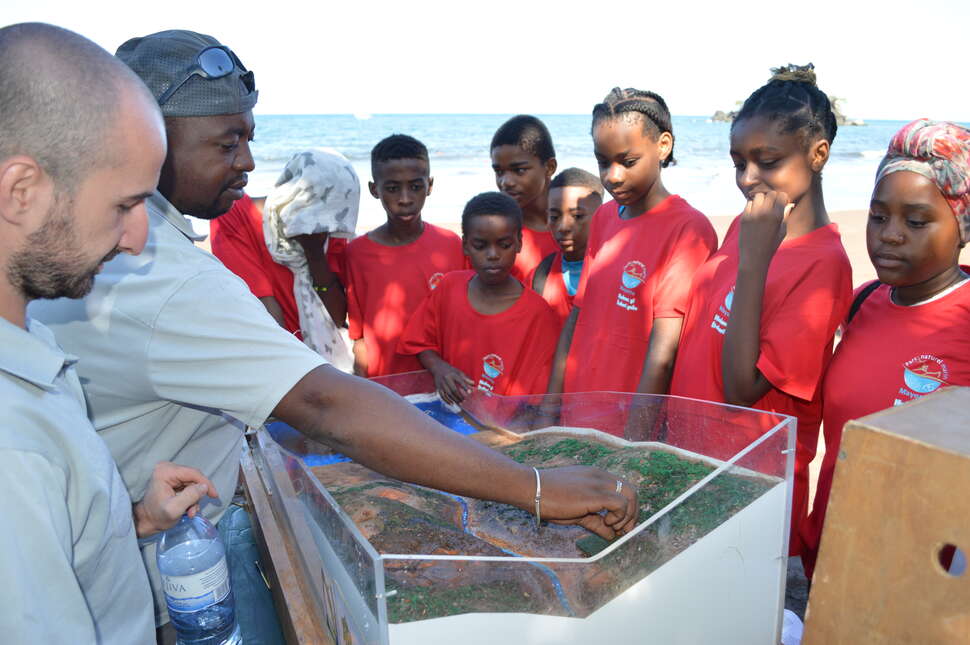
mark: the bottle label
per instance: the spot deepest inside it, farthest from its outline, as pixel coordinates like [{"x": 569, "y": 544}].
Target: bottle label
[{"x": 197, "y": 591}]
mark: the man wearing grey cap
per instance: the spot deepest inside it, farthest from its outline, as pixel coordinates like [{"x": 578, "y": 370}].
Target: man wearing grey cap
[{"x": 178, "y": 343}]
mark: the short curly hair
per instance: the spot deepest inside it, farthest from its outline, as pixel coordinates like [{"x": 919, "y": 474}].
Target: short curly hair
[
  {"x": 528, "y": 133},
  {"x": 491, "y": 203},
  {"x": 397, "y": 146}
]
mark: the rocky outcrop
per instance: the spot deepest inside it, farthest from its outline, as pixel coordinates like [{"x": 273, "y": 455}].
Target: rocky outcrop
[
  {"x": 724, "y": 117},
  {"x": 840, "y": 119}
]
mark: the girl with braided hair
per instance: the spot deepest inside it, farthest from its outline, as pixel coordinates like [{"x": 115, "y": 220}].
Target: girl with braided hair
[
  {"x": 641, "y": 254},
  {"x": 764, "y": 309}
]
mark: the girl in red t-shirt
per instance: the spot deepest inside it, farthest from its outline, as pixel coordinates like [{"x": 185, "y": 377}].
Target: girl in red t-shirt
[
  {"x": 642, "y": 251},
  {"x": 909, "y": 333},
  {"x": 764, "y": 309}
]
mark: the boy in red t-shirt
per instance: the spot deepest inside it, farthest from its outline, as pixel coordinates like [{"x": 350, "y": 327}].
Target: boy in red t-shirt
[
  {"x": 524, "y": 162},
  {"x": 391, "y": 269},
  {"x": 483, "y": 329},
  {"x": 643, "y": 249},
  {"x": 574, "y": 195}
]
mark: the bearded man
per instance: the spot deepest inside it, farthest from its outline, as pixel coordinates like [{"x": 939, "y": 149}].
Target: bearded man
[{"x": 81, "y": 146}]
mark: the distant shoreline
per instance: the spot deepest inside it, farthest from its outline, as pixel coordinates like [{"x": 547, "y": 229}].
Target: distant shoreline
[{"x": 505, "y": 114}]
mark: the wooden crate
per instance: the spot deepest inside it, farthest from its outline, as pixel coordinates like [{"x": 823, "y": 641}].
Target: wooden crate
[{"x": 901, "y": 492}]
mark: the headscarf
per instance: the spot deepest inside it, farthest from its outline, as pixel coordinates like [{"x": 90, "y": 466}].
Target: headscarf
[
  {"x": 317, "y": 192},
  {"x": 940, "y": 151}
]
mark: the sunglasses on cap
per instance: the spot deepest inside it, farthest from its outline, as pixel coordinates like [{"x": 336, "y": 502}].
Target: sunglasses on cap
[{"x": 212, "y": 62}]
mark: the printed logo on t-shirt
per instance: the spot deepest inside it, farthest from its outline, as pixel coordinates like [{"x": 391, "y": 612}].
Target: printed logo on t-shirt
[
  {"x": 921, "y": 375},
  {"x": 719, "y": 324},
  {"x": 634, "y": 274},
  {"x": 434, "y": 280},
  {"x": 492, "y": 368}
]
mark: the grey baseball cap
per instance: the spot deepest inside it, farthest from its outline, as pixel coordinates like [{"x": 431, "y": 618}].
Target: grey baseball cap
[{"x": 167, "y": 58}]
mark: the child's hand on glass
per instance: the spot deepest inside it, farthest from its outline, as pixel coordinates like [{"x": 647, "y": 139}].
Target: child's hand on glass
[{"x": 452, "y": 384}]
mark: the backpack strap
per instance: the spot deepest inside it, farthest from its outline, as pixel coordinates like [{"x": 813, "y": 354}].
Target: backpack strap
[
  {"x": 859, "y": 299},
  {"x": 542, "y": 273}
]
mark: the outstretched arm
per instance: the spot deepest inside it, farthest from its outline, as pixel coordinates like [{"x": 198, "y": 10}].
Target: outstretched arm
[
  {"x": 762, "y": 230},
  {"x": 383, "y": 432}
]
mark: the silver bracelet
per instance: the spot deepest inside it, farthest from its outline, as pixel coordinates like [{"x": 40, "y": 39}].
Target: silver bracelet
[{"x": 538, "y": 497}]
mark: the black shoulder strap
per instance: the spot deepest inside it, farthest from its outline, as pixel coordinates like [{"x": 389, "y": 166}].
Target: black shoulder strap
[
  {"x": 542, "y": 273},
  {"x": 859, "y": 299}
]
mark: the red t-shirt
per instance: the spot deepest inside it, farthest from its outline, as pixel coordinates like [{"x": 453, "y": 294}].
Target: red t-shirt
[
  {"x": 237, "y": 239},
  {"x": 889, "y": 354},
  {"x": 807, "y": 294},
  {"x": 535, "y": 246},
  {"x": 385, "y": 286},
  {"x": 635, "y": 270},
  {"x": 508, "y": 353},
  {"x": 554, "y": 292}
]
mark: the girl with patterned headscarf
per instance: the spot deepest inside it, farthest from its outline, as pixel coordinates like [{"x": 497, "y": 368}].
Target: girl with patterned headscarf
[
  {"x": 316, "y": 197},
  {"x": 908, "y": 333}
]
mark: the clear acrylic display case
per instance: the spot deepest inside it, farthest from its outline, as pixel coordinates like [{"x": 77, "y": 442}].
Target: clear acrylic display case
[{"x": 708, "y": 565}]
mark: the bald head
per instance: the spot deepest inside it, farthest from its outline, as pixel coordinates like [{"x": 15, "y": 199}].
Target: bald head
[{"x": 60, "y": 96}]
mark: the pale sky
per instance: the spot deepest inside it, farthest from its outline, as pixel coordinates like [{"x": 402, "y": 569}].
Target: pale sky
[{"x": 892, "y": 59}]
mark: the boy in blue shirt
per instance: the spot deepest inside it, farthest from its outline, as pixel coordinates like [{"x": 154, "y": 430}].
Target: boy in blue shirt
[{"x": 574, "y": 196}]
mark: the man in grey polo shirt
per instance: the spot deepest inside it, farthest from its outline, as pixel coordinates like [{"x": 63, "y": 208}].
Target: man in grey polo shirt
[
  {"x": 172, "y": 340},
  {"x": 70, "y": 198}
]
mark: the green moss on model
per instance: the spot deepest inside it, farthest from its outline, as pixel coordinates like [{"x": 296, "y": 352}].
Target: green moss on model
[
  {"x": 583, "y": 452},
  {"x": 432, "y": 521},
  {"x": 419, "y": 603}
]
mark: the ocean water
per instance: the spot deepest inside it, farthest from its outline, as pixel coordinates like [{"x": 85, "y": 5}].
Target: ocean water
[{"x": 458, "y": 145}]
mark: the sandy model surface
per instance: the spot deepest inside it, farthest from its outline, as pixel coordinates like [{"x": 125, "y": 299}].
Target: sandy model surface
[{"x": 400, "y": 518}]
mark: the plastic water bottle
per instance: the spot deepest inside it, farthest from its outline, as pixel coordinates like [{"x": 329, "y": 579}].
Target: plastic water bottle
[{"x": 195, "y": 579}]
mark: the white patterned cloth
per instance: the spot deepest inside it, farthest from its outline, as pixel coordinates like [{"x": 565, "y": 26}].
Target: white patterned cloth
[{"x": 318, "y": 192}]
